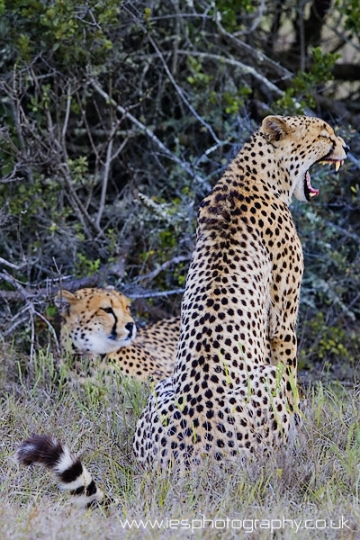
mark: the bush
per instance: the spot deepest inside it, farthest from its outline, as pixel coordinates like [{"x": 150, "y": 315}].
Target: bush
[{"x": 117, "y": 119}]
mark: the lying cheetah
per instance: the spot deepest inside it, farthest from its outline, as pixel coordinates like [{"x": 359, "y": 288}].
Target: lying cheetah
[
  {"x": 98, "y": 322},
  {"x": 233, "y": 391}
]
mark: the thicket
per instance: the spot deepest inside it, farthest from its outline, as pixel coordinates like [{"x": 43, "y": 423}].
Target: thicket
[{"x": 116, "y": 119}]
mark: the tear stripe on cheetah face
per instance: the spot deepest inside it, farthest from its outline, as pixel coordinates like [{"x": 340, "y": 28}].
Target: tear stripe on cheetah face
[
  {"x": 95, "y": 320},
  {"x": 233, "y": 392},
  {"x": 98, "y": 322}
]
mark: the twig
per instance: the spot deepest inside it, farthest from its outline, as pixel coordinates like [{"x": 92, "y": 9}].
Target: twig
[
  {"x": 88, "y": 131},
  {"x": 105, "y": 178},
  {"x": 51, "y": 328},
  {"x": 209, "y": 151},
  {"x": 166, "y": 264},
  {"x": 154, "y": 294},
  {"x": 246, "y": 69},
  {"x": 251, "y": 52},
  {"x": 256, "y": 22},
  {"x": 301, "y": 23},
  {"x": 19, "y": 319},
  {"x": 147, "y": 131},
  {"x": 11, "y": 265},
  {"x": 14, "y": 282},
  {"x": 109, "y": 158},
  {"x": 350, "y": 42},
  {"x": 232, "y": 62},
  {"x": 45, "y": 292},
  {"x": 174, "y": 63},
  {"x": 32, "y": 338},
  {"x": 181, "y": 93},
  {"x": 77, "y": 205},
  {"x": 353, "y": 159},
  {"x": 96, "y": 280},
  {"x": 158, "y": 209},
  {"x": 67, "y": 115},
  {"x": 16, "y": 111},
  {"x": 343, "y": 231}
]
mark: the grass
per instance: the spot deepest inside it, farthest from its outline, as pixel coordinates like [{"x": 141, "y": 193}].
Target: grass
[{"x": 318, "y": 481}]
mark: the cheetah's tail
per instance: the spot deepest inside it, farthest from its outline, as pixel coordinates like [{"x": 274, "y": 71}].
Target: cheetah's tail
[{"x": 70, "y": 472}]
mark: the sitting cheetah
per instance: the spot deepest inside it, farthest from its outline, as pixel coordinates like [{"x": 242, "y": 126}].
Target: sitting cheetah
[
  {"x": 233, "y": 391},
  {"x": 99, "y": 322}
]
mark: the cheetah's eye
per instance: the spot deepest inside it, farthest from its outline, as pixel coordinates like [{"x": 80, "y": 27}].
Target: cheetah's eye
[
  {"x": 108, "y": 310},
  {"x": 325, "y": 135}
]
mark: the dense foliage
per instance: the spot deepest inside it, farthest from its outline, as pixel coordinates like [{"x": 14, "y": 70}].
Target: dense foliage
[{"x": 117, "y": 117}]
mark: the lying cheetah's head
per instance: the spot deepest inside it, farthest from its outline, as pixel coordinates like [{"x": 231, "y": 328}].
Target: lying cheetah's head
[
  {"x": 299, "y": 142},
  {"x": 95, "y": 320}
]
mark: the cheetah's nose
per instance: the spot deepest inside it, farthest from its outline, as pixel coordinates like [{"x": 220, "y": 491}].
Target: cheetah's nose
[
  {"x": 346, "y": 148},
  {"x": 130, "y": 327}
]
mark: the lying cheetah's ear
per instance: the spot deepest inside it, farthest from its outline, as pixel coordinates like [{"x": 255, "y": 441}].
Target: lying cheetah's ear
[
  {"x": 275, "y": 128},
  {"x": 63, "y": 300}
]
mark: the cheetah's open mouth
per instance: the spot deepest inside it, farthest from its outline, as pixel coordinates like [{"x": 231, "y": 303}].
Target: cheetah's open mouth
[{"x": 311, "y": 192}]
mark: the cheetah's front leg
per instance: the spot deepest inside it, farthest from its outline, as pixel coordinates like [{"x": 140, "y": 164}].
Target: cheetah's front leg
[{"x": 283, "y": 346}]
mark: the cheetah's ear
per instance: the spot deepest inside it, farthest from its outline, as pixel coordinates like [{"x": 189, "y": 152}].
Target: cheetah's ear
[
  {"x": 63, "y": 300},
  {"x": 275, "y": 128}
]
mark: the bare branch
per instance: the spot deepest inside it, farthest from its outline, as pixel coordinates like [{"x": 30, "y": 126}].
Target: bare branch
[
  {"x": 105, "y": 178},
  {"x": 67, "y": 114},
  {"x": 78, "y": 206},
  {"x": 50, "y": 290},
  {"x": 109, "y": 158},
  {"x": 251, "y": 52},
  {"x": 246, "y": 69},
  {"x": 166, "y": 264},
  {"x": 19, "y": 319},
  {"x": 154, "y": 294},
  {"x": 12, "y": 265},
  {"x": 256, "y": 22},
  {"x": 183, "y": 164},
  {"x": 14, "y": 282},
  {"x": 181, "y": 93},
  {"x": 235, "y": 63},
  {"x": 51, "y": 328},
  {"x": 73, "y": 285}
]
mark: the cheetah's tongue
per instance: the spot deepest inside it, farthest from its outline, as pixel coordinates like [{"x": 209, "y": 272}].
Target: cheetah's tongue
[{"x": 311, "y": 191}]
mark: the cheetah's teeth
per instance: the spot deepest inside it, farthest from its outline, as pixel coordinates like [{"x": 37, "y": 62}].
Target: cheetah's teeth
[{"x": 337, "y": 163}]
